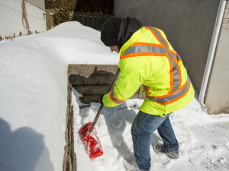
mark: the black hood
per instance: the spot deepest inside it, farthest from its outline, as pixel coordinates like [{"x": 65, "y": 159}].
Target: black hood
[
  {"x": 117, "y": 30},
  {"x": 127, "y": 28}
]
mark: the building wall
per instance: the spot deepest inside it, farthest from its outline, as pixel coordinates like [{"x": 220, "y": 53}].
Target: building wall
[
  {"x": 11, "y": 17},
  {"x": 188, "y": 25},
  {"x": 217, "y": 95}
]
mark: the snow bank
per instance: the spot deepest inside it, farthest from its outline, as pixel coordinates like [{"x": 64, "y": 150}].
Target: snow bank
[{"x": 33, "y": 91}]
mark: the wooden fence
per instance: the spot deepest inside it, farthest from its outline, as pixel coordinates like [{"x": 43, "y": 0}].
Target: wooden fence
[
  {"x": 55, "y": 17},
  {"x": 90, "y": 19}
]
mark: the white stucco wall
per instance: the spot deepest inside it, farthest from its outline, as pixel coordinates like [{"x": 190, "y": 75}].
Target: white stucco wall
[
  {"x": 217, "y": 95},
  {"x": 11, "y": 18}
]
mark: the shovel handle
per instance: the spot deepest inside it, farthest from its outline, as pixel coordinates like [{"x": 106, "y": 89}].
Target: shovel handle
[
  {"x": 96, "y": 118},
  {"x": 101, "y": 107}
]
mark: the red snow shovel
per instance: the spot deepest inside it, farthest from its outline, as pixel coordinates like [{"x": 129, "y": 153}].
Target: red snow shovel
[{"x": 88, "y": 134}]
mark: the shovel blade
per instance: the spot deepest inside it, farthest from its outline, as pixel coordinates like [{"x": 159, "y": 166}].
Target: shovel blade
[{"x": 90, "y": 141}]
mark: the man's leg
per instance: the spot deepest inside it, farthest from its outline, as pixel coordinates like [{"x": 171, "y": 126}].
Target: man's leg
[
  {"x": 170, "y": 143},
  {"x": 143, "y": 126}
]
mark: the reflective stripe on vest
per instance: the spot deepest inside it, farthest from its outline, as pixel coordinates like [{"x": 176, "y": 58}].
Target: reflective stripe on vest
[
  {"x": 171, "y": 97},
  {"x": 177, "y": 92},
  {"x": 147, "y": 49},
  {"x": 144, "y": 49},
  {"x": 115, "y": 99},
  {"x": 175, "y": 77}
]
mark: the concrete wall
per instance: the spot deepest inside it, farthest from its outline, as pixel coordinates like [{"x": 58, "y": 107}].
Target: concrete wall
[
  {"x": 188, "y": 25},
  {"x": 92, "y": 81},
  {"x": 217, "y": 95},
  {"x": 11, "y": 18}
]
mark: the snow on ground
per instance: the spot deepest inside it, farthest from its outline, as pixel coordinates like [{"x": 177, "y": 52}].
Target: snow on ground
[
  {"x": 33, "y": 92},
  {"x": 203, "y": 138}
]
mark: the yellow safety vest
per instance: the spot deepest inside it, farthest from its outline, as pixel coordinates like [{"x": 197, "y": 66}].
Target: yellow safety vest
[{"x": 148, "y": 59}]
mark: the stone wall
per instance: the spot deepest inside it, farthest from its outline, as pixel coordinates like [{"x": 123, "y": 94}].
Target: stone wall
[{"x": 92, "y": 81}]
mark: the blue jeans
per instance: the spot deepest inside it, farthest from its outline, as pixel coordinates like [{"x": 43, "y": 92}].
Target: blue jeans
[{"x": 143, "y": 126}]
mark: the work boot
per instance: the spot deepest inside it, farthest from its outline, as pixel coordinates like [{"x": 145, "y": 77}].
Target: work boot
[{"x": 158, "y": 148}]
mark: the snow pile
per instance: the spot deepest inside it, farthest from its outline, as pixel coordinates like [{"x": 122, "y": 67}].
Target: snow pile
[{"x": 33, "y": 91}]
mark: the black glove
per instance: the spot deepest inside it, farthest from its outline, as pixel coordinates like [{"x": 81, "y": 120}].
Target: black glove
[{"x": 101, "y": 99}]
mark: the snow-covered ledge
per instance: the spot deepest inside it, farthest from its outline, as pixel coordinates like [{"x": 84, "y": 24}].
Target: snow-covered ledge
[{"x": 33, "y": 91}]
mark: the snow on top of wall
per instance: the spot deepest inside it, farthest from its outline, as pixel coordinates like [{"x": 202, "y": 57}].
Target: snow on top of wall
[{"x": 33, "y": 91}]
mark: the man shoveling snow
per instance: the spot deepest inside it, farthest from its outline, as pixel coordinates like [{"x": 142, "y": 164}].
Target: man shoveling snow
[{"x": 147, "y": 59}]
